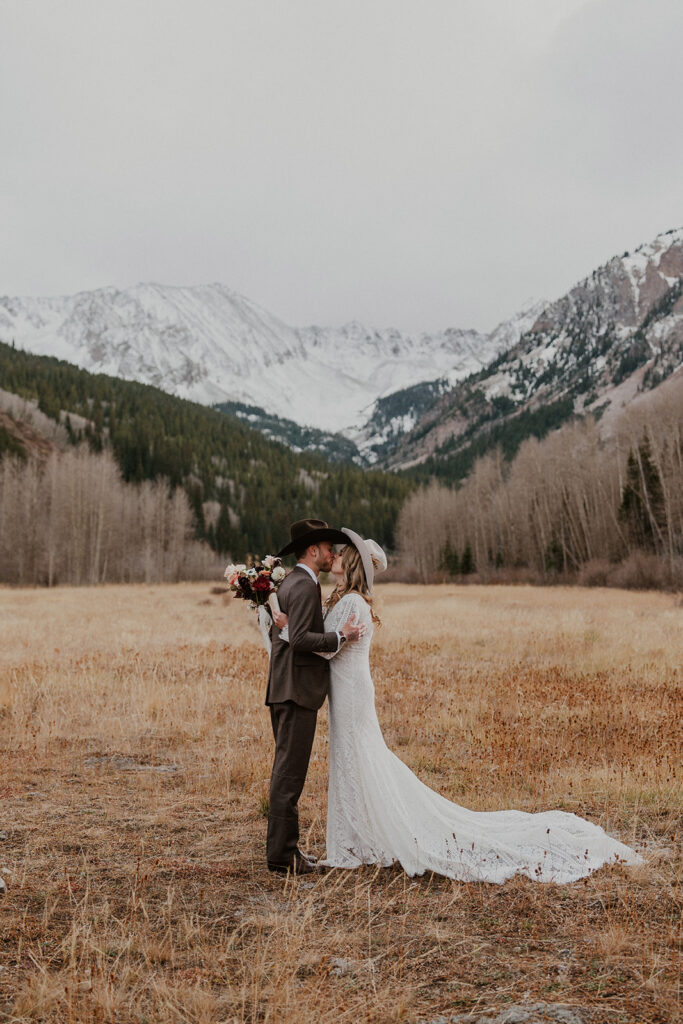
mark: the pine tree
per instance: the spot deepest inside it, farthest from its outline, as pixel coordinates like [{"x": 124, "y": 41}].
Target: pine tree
[
  {"x": 449, "y": 559},
  {"x": 223, "y": 531},
  {"x": 642, "y": 508},
  {"x": 467, "y": 562},
  {"x": 195, "y": 497},
  {"x": 554, "y": 557}
]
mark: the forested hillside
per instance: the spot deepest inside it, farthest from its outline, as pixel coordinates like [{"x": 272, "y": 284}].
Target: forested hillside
[
  {"x": 577, "y": 505},
  {"x": 333, "y": 447},
  {"x": 243, "y": 489},
  {"x": 103, "y": 479},
  {"x": 457, "y": 457}
]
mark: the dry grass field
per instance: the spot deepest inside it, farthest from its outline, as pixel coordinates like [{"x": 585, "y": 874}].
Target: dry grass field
[{"x": 134, "y": 762}]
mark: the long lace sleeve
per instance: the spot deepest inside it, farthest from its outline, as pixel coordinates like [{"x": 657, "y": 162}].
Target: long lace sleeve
[
  {"x": 333, "y": 622},
  {"x": 337, "y": 617},
  {"x": 349, "y": 605}
]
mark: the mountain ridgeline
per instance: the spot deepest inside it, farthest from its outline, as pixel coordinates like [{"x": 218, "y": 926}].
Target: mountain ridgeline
[
  {"x": 438, "y": 399},
  {"x": 211, "y": 345}
]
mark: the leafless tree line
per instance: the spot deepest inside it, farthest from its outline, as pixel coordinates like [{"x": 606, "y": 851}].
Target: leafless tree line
[
  {"x": 72, "y": 519},
  {"x": 586, "y": 498}
]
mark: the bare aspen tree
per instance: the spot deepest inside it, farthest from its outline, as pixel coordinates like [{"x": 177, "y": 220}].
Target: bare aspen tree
[
  {"x": 557, "y": 504},
  {"x": 74, "y": 520}
]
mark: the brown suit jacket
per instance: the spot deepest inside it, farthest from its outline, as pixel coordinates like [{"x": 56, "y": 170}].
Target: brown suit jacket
[{"x": 296, "y": 673}]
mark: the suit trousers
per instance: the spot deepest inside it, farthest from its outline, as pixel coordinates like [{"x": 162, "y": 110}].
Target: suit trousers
[{"x": 294, "y": 730}]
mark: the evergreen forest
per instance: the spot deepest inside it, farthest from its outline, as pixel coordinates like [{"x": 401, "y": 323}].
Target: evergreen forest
[{"x": 244, "y": 490}]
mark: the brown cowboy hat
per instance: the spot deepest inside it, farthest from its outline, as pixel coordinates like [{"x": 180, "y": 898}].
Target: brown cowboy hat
[{"x": 310, "y": 531}]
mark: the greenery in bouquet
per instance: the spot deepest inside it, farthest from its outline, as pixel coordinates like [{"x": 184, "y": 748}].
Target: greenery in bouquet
[{"x": 256, "y": 582}]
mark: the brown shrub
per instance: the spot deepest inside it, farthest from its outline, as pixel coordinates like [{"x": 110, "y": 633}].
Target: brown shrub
[
  {"x": 645, "y": 571},
  {"x": 595, "y": 573}
]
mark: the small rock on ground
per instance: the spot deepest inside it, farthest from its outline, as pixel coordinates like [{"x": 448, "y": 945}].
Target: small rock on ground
[
  {"x": 338, "y": 965},
  {"x": 341, "y": 966},
  {"x": 3, "y": 887}
]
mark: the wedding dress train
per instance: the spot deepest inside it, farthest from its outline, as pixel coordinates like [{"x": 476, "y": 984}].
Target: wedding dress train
[{"x": 379, "y": 812}]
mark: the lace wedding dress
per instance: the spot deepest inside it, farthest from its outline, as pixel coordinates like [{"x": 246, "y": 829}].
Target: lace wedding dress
[{"x": 379, "y": 812}]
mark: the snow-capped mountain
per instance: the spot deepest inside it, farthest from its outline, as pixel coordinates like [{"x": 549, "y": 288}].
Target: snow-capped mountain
[
  {"x": 616, "y": 333},
  {"x": 396, "y": 397},
  {"x": 212, "y": 345}
]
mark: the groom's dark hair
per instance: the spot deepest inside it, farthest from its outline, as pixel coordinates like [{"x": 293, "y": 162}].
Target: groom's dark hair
[{"x": 300, "y": 553}]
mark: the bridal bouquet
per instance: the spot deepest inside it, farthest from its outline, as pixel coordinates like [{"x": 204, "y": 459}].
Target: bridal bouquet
[{"x": 258, "y": 582}]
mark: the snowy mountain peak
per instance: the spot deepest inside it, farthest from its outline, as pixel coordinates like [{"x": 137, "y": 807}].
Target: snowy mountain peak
[{"x": 212, "y": 344}]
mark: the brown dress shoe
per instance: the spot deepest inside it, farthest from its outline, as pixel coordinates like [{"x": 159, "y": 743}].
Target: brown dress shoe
[{"x": 299, "y": 866}]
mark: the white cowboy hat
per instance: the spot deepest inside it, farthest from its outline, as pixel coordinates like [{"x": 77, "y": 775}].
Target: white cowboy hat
[{"x": 371, "y": 554}]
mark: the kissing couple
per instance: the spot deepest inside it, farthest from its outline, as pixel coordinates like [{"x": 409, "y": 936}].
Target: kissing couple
[{"x": 378, "y": 811}]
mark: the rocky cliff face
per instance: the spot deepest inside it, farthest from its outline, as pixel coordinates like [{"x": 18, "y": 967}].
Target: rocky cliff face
[{"x": 618, "y": 332}]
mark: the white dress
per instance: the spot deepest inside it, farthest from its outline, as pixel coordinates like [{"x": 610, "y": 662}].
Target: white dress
[{"x": 379, "y": 812}]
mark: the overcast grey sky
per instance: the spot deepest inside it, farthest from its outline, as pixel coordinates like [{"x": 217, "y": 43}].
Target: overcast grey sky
[{"x": 416, "y": 163}]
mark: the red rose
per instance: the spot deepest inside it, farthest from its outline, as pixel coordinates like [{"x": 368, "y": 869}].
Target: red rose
[{"x": 262, "y": 585}]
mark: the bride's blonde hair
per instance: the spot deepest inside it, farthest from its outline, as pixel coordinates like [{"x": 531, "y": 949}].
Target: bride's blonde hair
[{"x": 353, "y": 581}]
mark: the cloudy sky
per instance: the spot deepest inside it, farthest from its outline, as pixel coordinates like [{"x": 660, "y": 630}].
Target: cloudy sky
[{"x": 416, "y": 163}]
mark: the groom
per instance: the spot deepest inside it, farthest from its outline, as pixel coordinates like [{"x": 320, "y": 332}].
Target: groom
[{"x": 298, "y": 680}]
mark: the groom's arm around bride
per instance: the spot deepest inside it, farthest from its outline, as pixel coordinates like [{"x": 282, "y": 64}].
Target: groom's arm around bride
[{"x": 295, "y": 673}]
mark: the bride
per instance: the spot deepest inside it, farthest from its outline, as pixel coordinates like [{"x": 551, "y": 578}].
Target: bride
[{"x": 379, "y": 812}]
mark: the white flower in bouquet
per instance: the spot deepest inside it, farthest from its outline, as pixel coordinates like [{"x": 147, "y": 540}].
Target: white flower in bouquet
[
  {"x": 232, "y": 573},
  {"x": 269, "y": 561},
  {"x": 278, "y": 574},
  {"x": 251, "y": 573}
]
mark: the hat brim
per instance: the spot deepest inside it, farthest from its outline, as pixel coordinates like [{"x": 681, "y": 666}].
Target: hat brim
[
  {"x": 365, "y": 556},
  {"x": 312, "y": 537}
]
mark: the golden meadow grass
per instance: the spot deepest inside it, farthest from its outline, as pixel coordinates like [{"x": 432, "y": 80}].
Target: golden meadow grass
[{"x": 135, "y": 755}]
